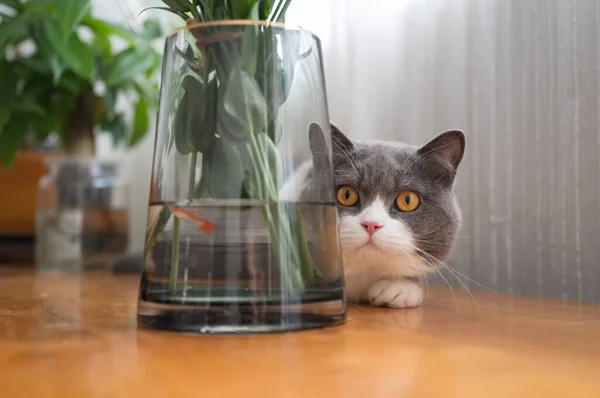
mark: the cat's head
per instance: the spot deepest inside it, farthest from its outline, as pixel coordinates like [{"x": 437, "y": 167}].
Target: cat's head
[{"x": 397, "y": 201}]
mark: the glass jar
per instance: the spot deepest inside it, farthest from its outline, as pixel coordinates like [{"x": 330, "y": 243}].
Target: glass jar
[{"x": 82, "y": 217}]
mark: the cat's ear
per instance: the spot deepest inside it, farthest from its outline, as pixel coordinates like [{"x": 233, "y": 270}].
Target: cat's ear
[
  {"x": 340, "y": 143},
  {"x": 318, "y": 147},
  {"x": 447, "y": 149}
]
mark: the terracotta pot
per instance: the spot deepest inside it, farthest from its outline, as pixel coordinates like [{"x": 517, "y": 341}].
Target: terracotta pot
[{"x": 18, "y": 193}]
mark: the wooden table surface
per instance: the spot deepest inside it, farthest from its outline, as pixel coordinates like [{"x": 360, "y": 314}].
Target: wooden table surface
[{"x": 77, "y": 337}]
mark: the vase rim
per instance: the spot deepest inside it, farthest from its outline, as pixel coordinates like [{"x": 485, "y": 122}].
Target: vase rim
[{"x": 242, "y": 22}]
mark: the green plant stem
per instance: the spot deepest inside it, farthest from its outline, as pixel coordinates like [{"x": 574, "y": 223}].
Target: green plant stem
[
  {"x": 192, "y": 181},
  {"x": 196, "y": 13},
  {"x": 280, "y": 232},
  {"x": 174, "y": 256},
  {"x": 175, "y": 240}
]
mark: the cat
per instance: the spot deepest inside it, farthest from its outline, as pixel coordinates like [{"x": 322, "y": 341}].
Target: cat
[{"x": 397, "y": 210}]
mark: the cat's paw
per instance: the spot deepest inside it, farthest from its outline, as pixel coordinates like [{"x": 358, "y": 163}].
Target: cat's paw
[{"x": 395, "y": 294}]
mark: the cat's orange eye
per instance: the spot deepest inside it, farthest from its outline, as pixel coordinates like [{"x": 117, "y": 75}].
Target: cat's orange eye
[
  {"x": 347, "y": 196},
  {"x": 407, "y": 201}
]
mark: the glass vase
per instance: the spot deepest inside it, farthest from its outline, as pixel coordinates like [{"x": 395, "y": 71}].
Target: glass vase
[{"x": 236, "y": 242}]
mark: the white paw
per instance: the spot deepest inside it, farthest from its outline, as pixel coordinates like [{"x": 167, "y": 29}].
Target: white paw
[{"x": 395, "y": 294}]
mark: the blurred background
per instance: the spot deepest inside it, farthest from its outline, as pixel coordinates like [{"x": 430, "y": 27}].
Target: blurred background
[{"x": 521, "y": 78}]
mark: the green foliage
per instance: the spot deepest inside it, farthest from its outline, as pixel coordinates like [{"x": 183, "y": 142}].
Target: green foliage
[
  {"x": 212, "y": 10},
  {"x": 233, "y": 88},
  {"x": 39, "y": 90}
]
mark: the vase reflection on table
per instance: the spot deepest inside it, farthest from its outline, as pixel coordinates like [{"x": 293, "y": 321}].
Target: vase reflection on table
[{"x": 224, "y": 253}]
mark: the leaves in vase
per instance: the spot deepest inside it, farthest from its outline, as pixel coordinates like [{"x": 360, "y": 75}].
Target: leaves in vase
[
  {"x": 195, "y": 118},
  {"x": 244, "y": 106},
  {"x": 271, "y": 160},
  {"x": 250, "y": 49},
  {"x": 225, "y": 180},
  {"x": 178, "y": 5},
  {"x": 157, "y": 227},
  {"x": 276, "y": 72},
  {"x": 182, "y": 141},
  {"x": 240, "y": 9}
]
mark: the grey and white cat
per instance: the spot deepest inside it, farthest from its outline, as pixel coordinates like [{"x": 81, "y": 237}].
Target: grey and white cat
[{"x": 398, "y": 214}]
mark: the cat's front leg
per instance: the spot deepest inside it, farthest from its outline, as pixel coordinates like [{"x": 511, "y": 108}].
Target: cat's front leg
[{"x": 399, "y": 293}]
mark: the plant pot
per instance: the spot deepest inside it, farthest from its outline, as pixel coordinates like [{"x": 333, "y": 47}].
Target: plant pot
[
  {"x": 18, "y": 184},
  {"x": 228, "y": 248}
]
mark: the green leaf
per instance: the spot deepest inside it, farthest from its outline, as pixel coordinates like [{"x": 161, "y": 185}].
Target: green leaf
[
  {"x": 179, "y": 5},
  {"x": 27, "y": 104},
  {"x": 129, "y": 63},
  {"x": 250, "y": 49},
  {"x": 265, "y": 9},
  {"x": 35, "y": 63},
  {"x": 70, "y": 82},
  {"x": 14, "y": 4},
  {"x": 195, "y": 117},
  {"x": 220, "y": 12},
  {"x": 4, "y": 116},
  {"x": 106, "y": 28},
  {"x": 102, "y": 45},
  {"x": 243, "y": 108},
  {"x": 8, "y": 81},
  {"x": 153, "y": 28},
  {"x": 140, "y": 122},
  {"x": 180, "y": 127},
  {"x": 110, "y": 99},
  {"x": 57, "y": 69},
  {"x": 12, "y": 137},
  {"x": 69, "y": 14},
  {"x": 277, "y": 72},
  {"x": 76, "y": 54},
  {"x": 280, "y": 14},
  {"x": 115, "y": 126},
  {"x": 240, "y": 9},
  {"x": 226, "y": 176},
  {"x": 13, "y": 28}
]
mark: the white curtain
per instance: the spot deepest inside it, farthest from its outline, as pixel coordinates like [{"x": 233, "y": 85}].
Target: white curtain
[{"x": 522, "y": 78}]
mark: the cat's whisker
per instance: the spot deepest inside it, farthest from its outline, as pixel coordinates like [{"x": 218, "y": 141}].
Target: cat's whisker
[
  {"x": 469, "y": 279},
  {"x": 435, "y": 230},
  {"x": 446, "y": 266},
  {"x": 456, "y": 272},
  {"x": 357, "y": 306},
  {"x": 422, "y": 280},
  {"x": 430, "y": 242},
  {"x": 445, "y": 280},
  {"x": 348, "y": 156}
]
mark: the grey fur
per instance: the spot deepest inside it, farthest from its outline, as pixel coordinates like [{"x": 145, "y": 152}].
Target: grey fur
[{"x": 385, "y": 169}]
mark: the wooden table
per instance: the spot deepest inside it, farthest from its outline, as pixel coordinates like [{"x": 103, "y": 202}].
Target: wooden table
[{"x": 77, "y": 337}]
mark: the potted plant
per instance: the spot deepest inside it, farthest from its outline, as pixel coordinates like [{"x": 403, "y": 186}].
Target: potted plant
[{"x": 62, "y": 72}]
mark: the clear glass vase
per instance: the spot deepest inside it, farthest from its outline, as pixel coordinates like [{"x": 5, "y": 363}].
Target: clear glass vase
[
  {"x": 236, "y": 242},
  {"x": 82, "y": 215}
]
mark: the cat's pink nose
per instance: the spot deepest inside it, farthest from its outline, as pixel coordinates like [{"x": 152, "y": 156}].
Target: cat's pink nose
[{"x": 371, "y": 226}]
